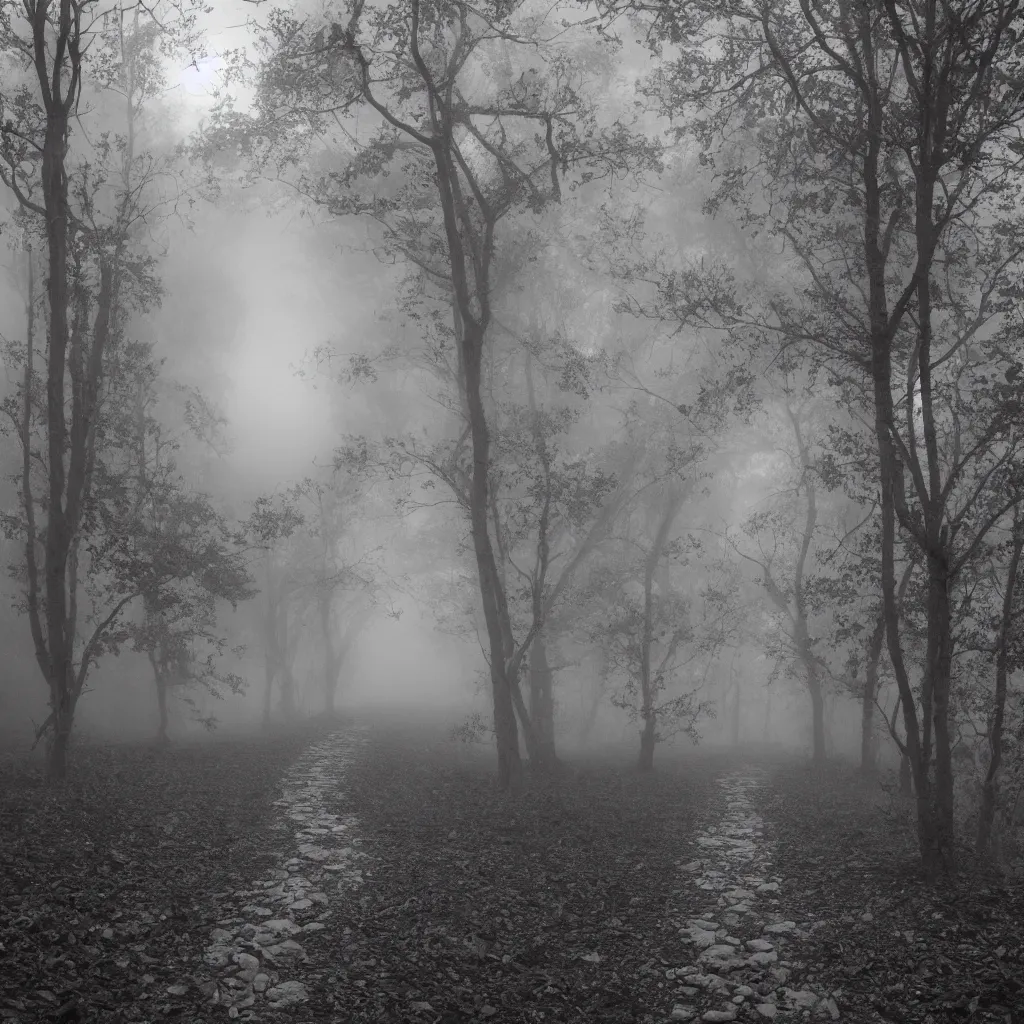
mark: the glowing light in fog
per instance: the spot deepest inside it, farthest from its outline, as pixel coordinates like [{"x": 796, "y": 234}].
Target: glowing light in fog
[{"x": 201, "y": 75}]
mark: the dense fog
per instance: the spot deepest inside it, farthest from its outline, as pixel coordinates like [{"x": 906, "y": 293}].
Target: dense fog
[{"x": 518, "y": 380}]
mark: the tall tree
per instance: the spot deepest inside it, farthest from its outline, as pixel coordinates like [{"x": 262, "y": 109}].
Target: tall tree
[
  {"x": 482, "y": 114},
  {"x": 85, "y": 202}
]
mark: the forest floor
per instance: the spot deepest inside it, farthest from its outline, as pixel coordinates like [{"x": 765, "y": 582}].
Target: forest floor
[{"x": 366, "y": 875}]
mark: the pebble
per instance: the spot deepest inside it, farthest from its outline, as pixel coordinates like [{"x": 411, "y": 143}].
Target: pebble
[
  {"x": 767, "y": 1010},
  {"x": 802, "y": 999},
  {"x": 287, "y": 993}
]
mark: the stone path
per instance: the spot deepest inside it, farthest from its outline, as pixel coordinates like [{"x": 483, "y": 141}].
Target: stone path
[
  {"x": 256, "y": 952},
  {"x": 741, "y": 942}
]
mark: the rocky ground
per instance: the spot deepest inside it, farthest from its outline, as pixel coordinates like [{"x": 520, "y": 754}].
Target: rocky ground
[{"x": 372, "y": 874}]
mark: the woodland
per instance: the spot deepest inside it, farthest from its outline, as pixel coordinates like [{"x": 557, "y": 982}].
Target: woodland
[{"x": 662, "y": 357}]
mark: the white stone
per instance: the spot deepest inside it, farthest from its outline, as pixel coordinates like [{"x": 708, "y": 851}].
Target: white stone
[
  {"x": 283, "y": 925},
  {"x": 802, "y": 998},
  {"x": 287, "y": 950},
  {"x": 701, "y": 938},
  {"x": 287, "y": 993}
]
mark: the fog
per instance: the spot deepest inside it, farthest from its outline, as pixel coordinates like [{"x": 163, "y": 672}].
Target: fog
[{"x": 522, "y": 451}]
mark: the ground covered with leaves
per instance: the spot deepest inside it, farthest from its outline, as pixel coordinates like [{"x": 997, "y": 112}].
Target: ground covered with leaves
[
  {"x": 895, "y": 948},
  {"x": 550, "y": 905},
  {"x": 563, "y": 902},
  {"x": 111, "y": 883}
]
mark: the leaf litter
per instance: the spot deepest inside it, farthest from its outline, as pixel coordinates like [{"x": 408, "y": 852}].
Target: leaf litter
[{"x": 389, "y": 882}]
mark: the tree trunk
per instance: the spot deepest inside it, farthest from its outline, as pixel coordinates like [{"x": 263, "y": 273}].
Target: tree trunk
[
  {"x": 268, "y": 689},
  {"x": 647, "y": 744},
  {"x": 160, "y": 685},
  {"x": 868, "y": 741},
  {"x": 736, "y": 699},
  {"x": 60, "y": 739},
  {"x": 332, "y": 661},
  {"x": 58, "y": 530},
  {"x": 506, "y": 731},
  {"x": 287, "y": 702},
  {"x": 990, "y": 787},
  {"x": 813, "y": 681},
  {"x": 161, "y": 703},
  {"x": 542, "y": 703},
  {"x": 940, "y": 856},
  {"x": 906, "y": 776},
  {"x": 817, "y": 718}
]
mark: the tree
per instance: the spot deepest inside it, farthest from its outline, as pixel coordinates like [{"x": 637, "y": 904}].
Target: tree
[
  {"x": 472, "y": 150},
  {"x": 886, "y": 155},
  {"x": 96, "y": 271},
  {"x": 186, "y": 555},
  {"x": 269, "y": 528},
  {"x": 343, "y": 581}
]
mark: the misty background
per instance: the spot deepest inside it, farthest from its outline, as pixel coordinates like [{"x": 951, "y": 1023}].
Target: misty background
[{"x": 681, "y": 499}]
